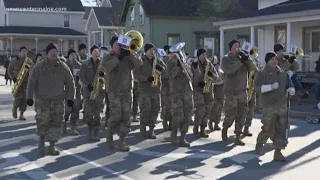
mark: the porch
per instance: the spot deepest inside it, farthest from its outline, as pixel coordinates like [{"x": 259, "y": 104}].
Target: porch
[
  {"x": 37, "y": 38},
  {"x": 299, "y": 28}
]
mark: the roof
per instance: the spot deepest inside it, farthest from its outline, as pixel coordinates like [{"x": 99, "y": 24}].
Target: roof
[
  {"x": 39, "y": 30},
  {"x": 71, "y": 5},
  {"x": 290, "y": 6},
  {"x": 190, "y": 8},
  {"x": 87, "y": 10},
  {"x": 109, "y": 16}
]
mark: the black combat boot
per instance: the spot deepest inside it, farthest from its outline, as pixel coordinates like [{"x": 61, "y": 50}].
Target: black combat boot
[
  {"x": 259, "y": 149},
  {"x": 52, "y": 149},
  {"x": 14, "y": 112},
  {"x": 22, "y": 118},
  {"x": 203, "y": 133},
  {"x": 90, "y": 133},
  {"x": 96, "y": 137},
  {"x": 238, "y": 141},
  {"x": 41, "y": 144},
  {"x": 278, "y": 156},
  {"x": 143, "y": 131},
  {"x": 122, "y": 145},
  {"x": 216, "y": 127},
  {"x": 151, "y": 134},
  {"x": 210, "y": 126},
  {"x": 165, "y": 125},
  {"x": 246, "y": 131},
  {"x": 173, "y": 136},
  {"x": 195, "y": 129},
  {"x": 182, "y": 141},
  {"x": 73, "y": 130},
  {"x": 224, "y": 134},
  {"x": 110, "y": 139}
]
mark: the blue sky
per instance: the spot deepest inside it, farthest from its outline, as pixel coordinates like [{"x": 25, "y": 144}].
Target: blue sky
[{"x": 88, "y": 2}]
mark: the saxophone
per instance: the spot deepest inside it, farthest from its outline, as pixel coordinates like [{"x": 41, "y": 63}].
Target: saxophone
[
  {"x": 22, "y": 75},
  {"x": 155, "y": 73},
  {"x": 207, "y": 79},
  {"x": 253, "y": 52},
  {"x": 98, "y": 82}
]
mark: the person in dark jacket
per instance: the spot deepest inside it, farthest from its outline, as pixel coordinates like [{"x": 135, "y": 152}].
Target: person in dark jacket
[{"x": 6, "y": 76}]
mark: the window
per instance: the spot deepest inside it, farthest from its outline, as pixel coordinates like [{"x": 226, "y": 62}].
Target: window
[
  {"x": 280, "y": 34},
  {"x": 5, "y": 19},
  {"x": 132, "y": 16},
  {"x": 66, "y": 23},
  {"x": 173, "y": 38},
  {"x": 315, "y": 41},
  {"x": 141, "y": 17}
]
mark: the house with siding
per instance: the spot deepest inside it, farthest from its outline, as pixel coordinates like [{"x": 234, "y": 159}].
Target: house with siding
[
  {"x": 169, "y": 21},
  {"x": 104, "y": 22},
  {"x": 290, "y": 22},
  {"x": 36, "y": 23}
]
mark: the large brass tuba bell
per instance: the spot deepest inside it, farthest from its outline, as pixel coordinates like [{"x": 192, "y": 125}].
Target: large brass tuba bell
[{"x": 136, "y": 40}]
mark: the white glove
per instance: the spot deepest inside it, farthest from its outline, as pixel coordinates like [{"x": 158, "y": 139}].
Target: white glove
[
  {"x": 291, "y": 91},
  {"x": 290, "y": 73},
  {"x": 275, "y": 85}
]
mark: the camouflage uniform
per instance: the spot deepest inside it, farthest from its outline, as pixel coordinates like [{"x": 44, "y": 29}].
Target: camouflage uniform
[
  {"x": 135, "y": 100},
  {"x": 235, "y": 87},
  {"x": 49, "y": 97},
  {"x": 119, "y": 87},
  {"x": 20, "y": 100},
  {"x": 74, "y": 110},
  {"x": 149, "y": 97},
  {"x": 165, "y": 99},
  {"x": 203, "y": 102},
  {"x": 92, "y": 108},
  {"x": 182, "y": 100},
  {"x": 274, "y": 112},
  {"x": 215, "y": 115}
]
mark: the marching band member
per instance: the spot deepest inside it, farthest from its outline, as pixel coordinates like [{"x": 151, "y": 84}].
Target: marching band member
[
  {"x": 236, "y": 66},
  {"x": 82, "y": 53},
  {"x": 272, "y": 83},
  {"x": 119, "y": 65},
  {"x": 165, "y": 95},
  {"x": 252, "y": 101},
  {"x": 203, "y": 101},
  {"x": 20, "y": 100},
  {"x": 74, "y": 67},
  {"x": 181, "y": 98},
  {"x": 92, "y": 107},
  {"x": 218, "y": 101},
  {"x": 50, "y": 83},
  {"x": 149, "y": 97}
]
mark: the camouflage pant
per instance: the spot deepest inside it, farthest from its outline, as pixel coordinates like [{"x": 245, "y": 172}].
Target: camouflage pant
[
  {"x": 49, "y": 118},
  {"x": 20, "y": 100},
  {"x": 107, "y": 113},
  {"x": 165, "y": 105},
  {"x": 235, "y": 110},
  {"x": 120, "y": 110},
  {"x": 73, "y": 111},
  {"x": 274, "y": 125},
  {"x": 149, "y": 107},
  {"x": 203, "y": 104},
  {"x": 135, "y": 100},
  {"x": 215, "y": 115},
  {"x": 181, "y": 109},
  {"x": 93, "y": 109},
  {"x": 250, "y": 113}
]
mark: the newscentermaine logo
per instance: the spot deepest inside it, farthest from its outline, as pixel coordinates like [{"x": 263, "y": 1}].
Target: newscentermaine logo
[{"x": 47, "y": 9}]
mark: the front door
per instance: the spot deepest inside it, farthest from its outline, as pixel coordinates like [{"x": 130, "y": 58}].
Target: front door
[{"x": 314, "y": 40}]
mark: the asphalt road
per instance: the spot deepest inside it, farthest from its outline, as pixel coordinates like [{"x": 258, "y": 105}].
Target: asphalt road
[{"x": 151, "y": 159}]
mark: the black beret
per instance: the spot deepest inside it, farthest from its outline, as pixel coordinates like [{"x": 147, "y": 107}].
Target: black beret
[
  {"x": 93, "y": 48},
  {"x": 23, "y": 47},
  {"x": 82, "y": 46},
  {"x": 148, "y": 46},
  {"x": 269, "y": 55},
  {"x": 71, "y": 51},
  {"x": 200, "y": 51},
  {"x": 50, "y": 46},
  {"x": 166, "y": 47},
  {"x": 232, "y": 42},
  {"x": 113, "y": 40},
  {"x": 278, "y": 47}
]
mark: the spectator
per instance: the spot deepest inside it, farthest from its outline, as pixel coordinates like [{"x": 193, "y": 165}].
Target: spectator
[{"x": 6, "y": 76}]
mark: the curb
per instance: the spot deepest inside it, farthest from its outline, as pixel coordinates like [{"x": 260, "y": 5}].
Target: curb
[{"x": 304, "y": 114}]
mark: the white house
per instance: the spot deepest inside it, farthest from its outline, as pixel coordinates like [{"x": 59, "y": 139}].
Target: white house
[
  {"x": 281, "y": 21},
  {"x": 34, "y": 25},
  {"x": 103, "y": 22}
]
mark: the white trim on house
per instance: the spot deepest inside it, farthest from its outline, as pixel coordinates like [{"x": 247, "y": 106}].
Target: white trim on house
[
  {"x": 270, "y": 19},
  {"x": 99, "y": 27},
  {"x": 42, "y": 35}
]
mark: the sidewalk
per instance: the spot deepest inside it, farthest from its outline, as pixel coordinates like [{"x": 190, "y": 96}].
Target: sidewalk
[{"x": 2, "y": 71}]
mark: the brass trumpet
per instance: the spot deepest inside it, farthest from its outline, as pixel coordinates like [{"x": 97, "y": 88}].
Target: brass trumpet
[{"x": 155, "y": 73}]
